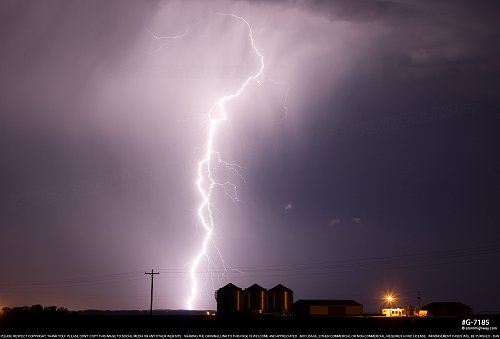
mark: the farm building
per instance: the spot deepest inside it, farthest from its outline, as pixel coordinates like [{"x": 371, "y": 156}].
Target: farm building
[
  {"x": 443, "y": 309},
  {"x": 327, "y": 308}
]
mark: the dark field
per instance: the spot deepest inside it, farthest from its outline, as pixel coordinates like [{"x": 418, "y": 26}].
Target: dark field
[{"x": 75, "y": 323}]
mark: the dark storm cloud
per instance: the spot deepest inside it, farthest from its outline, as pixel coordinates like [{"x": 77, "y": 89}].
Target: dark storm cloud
[
  {"x": 361, "y": 10},
  {"x": 423, "y": 38},
  {"x": 50, "y": 51},
  {"x": 60, "y": 174},
  {"x": 404, "y": 139},
  {"x": 50, "y": 41},
  {"x": 388, "y": 145}
]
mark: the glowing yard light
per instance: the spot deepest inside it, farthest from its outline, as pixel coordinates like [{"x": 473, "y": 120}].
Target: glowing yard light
[
  {"x": 389, "y": 299},
  {"x": 205, "y": 182}
]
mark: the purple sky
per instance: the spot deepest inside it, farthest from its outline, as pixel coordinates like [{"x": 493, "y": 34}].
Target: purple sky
[{"x": 383, "y": 175}]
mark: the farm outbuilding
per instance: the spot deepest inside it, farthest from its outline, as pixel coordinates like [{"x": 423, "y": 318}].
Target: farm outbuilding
[
  {"x": 443, "y": 309},
  {"x": 324, "y": 308}
]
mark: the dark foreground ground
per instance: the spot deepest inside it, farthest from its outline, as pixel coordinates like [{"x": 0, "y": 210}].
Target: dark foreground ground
[{"x": 124, "y": 325}]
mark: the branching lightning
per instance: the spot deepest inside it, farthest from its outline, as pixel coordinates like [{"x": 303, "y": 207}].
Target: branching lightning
[
  {"x": 166, "y": 39},
  {"x": 205, "y": 181}
]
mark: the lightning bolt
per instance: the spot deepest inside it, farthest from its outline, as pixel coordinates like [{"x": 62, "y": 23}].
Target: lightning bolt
[{"x": 205, "y": 182}]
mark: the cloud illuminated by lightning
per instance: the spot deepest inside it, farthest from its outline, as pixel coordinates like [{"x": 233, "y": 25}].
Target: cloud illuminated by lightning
[{"x": 205, "y": 182}]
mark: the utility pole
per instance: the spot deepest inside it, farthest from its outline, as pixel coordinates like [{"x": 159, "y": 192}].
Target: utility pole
[
  {"x": 151, "y": 304},
  {"x": 419, "y": 298}
]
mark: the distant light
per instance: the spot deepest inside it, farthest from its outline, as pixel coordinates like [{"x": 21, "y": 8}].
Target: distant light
[{"x": 390, "y": 298}]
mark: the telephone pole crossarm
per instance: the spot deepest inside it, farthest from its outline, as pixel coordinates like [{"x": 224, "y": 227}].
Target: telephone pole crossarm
[{"x": 151, "y": 303}]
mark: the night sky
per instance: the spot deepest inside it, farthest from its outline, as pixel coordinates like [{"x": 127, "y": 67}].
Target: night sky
[{"x": 369, "y": 153}]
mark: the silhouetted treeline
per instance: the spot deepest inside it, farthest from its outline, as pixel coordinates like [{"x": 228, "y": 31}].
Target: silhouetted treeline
[
  {"x": 34, "y": 310},
  {"x": 144, "y": 312}
]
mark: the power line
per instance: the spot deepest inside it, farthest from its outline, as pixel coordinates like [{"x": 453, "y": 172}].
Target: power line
[
  {"x": 398, "y": 261},
  {"x": 402, "y": 261}
]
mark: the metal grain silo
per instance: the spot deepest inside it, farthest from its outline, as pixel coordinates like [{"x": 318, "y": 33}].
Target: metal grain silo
[
  {"x": 256, "y": 299},
  {"x": 229, "y": 300},
  {"x": 280, "y": 300}
]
